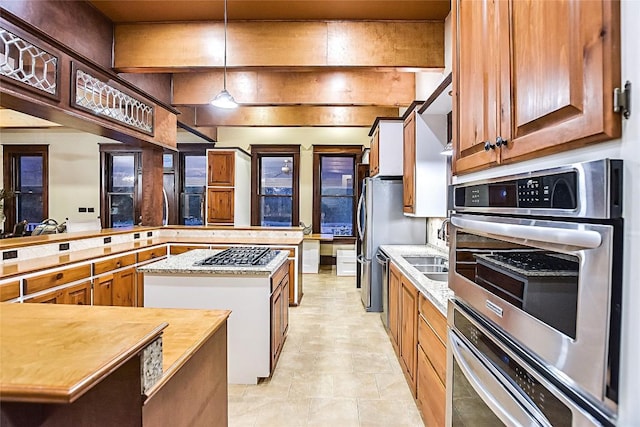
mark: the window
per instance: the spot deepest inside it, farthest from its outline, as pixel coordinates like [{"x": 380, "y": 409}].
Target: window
[
  {"x": 274, "y": 185},
  {"x": 121, "y": 189},
  {"x": 26, "y": 177},
  {"x": 194, "y": 182},
  {"x": 334, "y": 201}
]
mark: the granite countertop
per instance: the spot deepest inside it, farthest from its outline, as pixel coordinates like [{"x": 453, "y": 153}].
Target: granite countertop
[
  {"x": 436, "y": 292},
  {"x": 185, "y": 264}
]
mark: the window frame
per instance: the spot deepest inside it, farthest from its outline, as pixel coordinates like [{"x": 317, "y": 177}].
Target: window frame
[
  {"x": 10, "y": 153},
  {"x": 320, "y": 151},
  {"x": 257, "y": 153},
  {"x": 107, "y": 151},
  {"x": 184, "y": 150}
]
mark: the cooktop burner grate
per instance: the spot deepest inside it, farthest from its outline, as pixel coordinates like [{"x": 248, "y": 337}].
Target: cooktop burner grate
[{"x": 241, "y": 256}]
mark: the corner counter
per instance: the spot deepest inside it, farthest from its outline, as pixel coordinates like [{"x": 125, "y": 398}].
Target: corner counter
[{"x": 112, "y": 365}]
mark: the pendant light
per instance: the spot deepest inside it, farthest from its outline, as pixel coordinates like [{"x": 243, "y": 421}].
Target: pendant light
[{"x": 224, "y": 98}]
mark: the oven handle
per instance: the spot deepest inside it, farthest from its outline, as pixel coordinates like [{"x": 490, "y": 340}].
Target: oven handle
[
  {"x": 502, "y": 403},
  {"x": 586, "y": 239}
]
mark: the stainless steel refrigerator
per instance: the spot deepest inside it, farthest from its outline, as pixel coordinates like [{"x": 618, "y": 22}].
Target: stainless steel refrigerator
[{"x": 381, "y": 222}]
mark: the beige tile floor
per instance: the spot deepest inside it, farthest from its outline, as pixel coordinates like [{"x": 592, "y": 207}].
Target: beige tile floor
[{"x": 337, "y": 367}]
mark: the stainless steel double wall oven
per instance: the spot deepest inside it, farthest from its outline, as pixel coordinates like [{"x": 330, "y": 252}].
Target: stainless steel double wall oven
[{"x": 537, "y": 272}]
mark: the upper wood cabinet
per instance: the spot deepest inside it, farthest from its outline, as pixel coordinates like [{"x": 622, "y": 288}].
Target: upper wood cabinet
[
  {"x": 527, "y": 90},
  {"x": 220, "y": 168},
  {"x": 409, "y": 176},
  {"x": 385, "y": 157},
  {"x": 228, "y": 187}
]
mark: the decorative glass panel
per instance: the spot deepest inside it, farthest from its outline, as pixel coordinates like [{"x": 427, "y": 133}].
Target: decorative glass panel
[
  {"x": 110, "y": 102},
  {"x": 26, "y": 63}
]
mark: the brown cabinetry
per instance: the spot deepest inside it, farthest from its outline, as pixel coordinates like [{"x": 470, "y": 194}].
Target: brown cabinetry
[
  {"x": 279, "y": 311},
  {"x": 220, "y": 168},
  {"x": 118, "y": 288},
  {"x": 394, "y": 305},
  {"x": 220, "y": 205},
  {"x": 56, "y": 278},
  {"x": 409, "y": 161},
  {"x": 79, "y": 294},
  {"x": 9, "y": 290},
  {"x": 385, "y": 156},
  {"x": 374, "y": 153},
  {"x": 506, "y": 107},
  {"x": 432, "y": 329},
  {"x": 409, "y": 331}
]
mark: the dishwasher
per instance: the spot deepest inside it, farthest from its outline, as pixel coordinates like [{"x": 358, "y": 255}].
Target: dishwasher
[{"x": 383, "y": 259}]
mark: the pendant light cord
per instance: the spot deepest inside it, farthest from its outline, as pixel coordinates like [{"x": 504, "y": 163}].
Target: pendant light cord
[{"x": 225, "y": 46}]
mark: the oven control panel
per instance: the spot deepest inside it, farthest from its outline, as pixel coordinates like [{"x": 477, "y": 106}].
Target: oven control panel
[{"x": 556, "y": 191}]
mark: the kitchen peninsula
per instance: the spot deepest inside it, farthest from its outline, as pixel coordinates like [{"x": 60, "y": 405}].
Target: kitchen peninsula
[
  {"x": 79, "y": 365},
  {"x": 252, "y": 282}
]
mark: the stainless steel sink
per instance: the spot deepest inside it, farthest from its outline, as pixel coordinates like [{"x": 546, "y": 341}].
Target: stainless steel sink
[
  {"x": 438, "y": 277},
  {"x": 431, "y": 268},
  {"x": 426, "y": 260}
]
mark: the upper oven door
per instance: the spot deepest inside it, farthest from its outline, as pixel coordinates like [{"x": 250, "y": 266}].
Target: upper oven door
[{"x": 546, "y": 283}]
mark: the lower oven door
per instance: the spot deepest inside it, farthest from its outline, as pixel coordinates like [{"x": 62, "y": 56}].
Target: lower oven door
[
  {"x": 551, "y": 286},
  {"x": 488, "y": 384}
]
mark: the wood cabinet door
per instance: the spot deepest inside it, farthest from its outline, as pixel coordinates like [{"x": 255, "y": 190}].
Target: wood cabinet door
[
  {"x": 563, "y": 73},
  {"x": 123, "y": 290},
  {"x": 221, "y": 168},
  {"x": 9, "y": 290},
  {"x": 409, "y": 163},
  {"x": 374, "y": 153},
  {"x": 292, "y": 278},
  {"x": 139, "y": 289},
  {"x": 431, "y": 392},
  {"x": 102, "y": 286},
  {"x": 54, "y": 297},
  {"x": 394, "y": 305},
  {"x": 409, "y": 330},
  {"x": 475, "y": 83},
  {"x": 285, "y": 308},
  {"x": 276, "y": 321},
  {"x": 78, "y": 294},
  {"x": 220, "y": 205}
]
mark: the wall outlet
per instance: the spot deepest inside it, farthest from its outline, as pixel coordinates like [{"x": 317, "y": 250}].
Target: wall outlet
[
  {"x": 107, "y": 240},
  {"x": 136, "y": 235},
  {"x": 9, "y": 255},
  {"x": 64, "y": 246},
  {"x": 90, "y": 210},
  {"x": 82, "y": 209}
]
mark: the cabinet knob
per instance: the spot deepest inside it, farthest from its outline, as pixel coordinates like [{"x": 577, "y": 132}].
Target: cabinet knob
[
  {"x": 489, "y": 146},
  {"x": 59, "y": 276},
  {"x": 500, "y": 142}
]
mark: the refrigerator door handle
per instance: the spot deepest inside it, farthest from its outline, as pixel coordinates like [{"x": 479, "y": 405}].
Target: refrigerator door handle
[
  {"x": 358, "y": 221},
  {"x": 382, "y": 260},
  {"x": 361, "y": 259}
]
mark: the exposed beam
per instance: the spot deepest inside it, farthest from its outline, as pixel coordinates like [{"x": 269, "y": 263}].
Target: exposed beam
[
  {"x": 291, "y": 116},
  {"x": 187, "y": 118},
  {"x": 380, "y": 44},
  {"x": 311, "y": 88}
]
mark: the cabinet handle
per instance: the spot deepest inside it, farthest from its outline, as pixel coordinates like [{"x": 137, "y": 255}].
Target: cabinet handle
[
  {"x": 118, "y": 264},
  {"x": 489, "y": 146},
  {"x": 59, "y": 276},
  {"x": 500, "y": 142}
]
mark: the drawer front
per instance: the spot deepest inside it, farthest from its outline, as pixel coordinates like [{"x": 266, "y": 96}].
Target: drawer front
[
  {"x": 436, "y": 319},
  {"x": 431, "y": 393},
  {"x": 9, "y": 290},
  {"x": 435, "y": 351},
  {"x": 113, "y": 263},
  {"x": 50, "y": 280},
  {"x": 157, "y": 252},
  {"x": 179, "y": 249}
]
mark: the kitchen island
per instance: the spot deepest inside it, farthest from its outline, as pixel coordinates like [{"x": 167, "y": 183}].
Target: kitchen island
[
  {"x": 255, "y": 294},
  {"x": 92, "y": 366}
]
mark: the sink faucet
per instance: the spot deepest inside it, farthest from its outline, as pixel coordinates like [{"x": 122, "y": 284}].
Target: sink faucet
[{"x": 443, "y": 231}]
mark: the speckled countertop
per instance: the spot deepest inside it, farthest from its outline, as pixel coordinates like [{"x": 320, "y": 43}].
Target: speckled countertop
[
  {"x": 436, "y": 292},
  {"x": 185, "y": 264}
]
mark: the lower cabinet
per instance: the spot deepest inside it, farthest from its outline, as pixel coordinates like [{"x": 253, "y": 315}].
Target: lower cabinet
[
  {"x": 79, "y": 294},
  {"x": 117, "y": 288},
  {"x": 417, "y": 330},
  {"x": 409, "y": 331},
  {"x": 279, "y": 311}
]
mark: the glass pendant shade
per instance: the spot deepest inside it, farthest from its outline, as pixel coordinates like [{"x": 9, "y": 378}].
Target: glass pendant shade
[{"x": 224, "y": 100}]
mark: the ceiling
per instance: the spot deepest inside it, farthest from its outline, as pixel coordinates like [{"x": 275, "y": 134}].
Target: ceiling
[{"x": 120, "y": 11}]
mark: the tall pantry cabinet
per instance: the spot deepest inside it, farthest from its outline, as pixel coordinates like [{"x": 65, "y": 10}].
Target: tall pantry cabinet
[
  {"x": 228, "y": 187},
  {"x": 532, "y": 78}
]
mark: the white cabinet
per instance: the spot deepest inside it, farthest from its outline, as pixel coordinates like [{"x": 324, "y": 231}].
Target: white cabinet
[
  {"x": 425, "y": 168},
  {"x": 228, "y": 187},
  {"x": 385, "y": 157}
]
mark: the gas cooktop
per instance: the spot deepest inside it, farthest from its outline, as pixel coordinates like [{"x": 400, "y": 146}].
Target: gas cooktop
[{"x": 241, "y": 256}]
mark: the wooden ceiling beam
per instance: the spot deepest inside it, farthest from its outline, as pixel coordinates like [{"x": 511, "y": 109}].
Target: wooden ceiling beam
[
  {"x": 187, "y": 118},
  {"x": 192, "y": 45},
  {"x": 292, "y": 116},
  {"x": 262, "y": 87}
]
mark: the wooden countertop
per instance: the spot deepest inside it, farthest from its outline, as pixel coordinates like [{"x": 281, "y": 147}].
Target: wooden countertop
[{"x": 55, "y": 353}]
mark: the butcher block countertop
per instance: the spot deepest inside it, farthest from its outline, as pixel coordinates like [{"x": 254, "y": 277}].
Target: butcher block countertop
[{"x": 56, "y": 353}]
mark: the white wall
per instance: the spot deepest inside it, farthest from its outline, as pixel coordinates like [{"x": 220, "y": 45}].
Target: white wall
[
  {"x": 74, "y": 169},
  {"x": 306, "y": 137}
]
